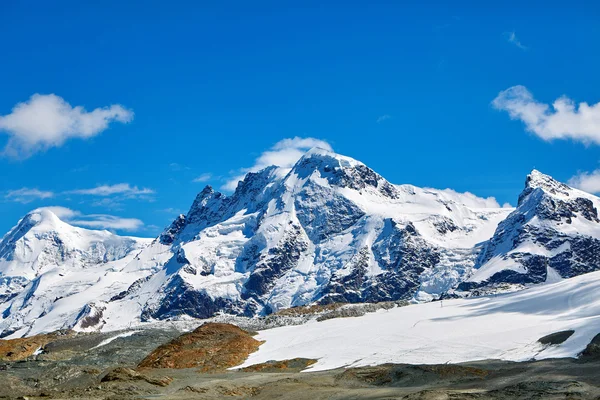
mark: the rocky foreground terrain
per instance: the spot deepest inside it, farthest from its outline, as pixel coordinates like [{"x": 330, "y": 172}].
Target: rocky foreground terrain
[{"x": 164, "y": 363}]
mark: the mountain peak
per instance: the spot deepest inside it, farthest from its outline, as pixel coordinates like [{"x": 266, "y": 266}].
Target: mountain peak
[
  {"x": 42, "y": 219},
  {"x": 317, "y": 157},
  {"x": 537, "y": 180}
]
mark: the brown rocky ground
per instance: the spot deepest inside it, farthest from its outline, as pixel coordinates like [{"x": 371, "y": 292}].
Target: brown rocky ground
[
  {"x": 211, "y": 347},
  {"x": 89, "y": 367},
  {"x": 20, "y": 349},
  {"x": 293, "y": 365}
]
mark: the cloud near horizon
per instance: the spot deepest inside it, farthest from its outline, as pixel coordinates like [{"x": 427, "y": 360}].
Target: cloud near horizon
[
  {"x": 95, "y": 221},
  {"x": 284, "y": 154},
  {"x": 46, "y": 121},
  {"x": 110, "y": 195},
  {"x": 563, "y": 120}
]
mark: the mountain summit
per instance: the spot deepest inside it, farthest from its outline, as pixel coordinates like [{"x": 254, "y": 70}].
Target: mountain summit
[
  {"x": 329, "y": 229},
  {"x": 554, "y": 233}
]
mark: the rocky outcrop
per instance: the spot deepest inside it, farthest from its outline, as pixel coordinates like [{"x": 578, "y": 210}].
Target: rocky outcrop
[
  {"x": 23, "y": 348},
  {"x": 211, "y": 347},
  {"x": 122, "y": 374}
]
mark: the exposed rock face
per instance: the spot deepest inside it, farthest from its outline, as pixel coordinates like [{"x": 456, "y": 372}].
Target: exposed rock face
[
  {"x": 211, "y": 347},
  {"x": 554, "y": 233}
]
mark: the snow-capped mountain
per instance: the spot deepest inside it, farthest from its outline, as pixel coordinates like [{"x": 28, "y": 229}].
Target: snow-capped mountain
[
  {"x": 46, "y": 263},
  {"x": 329, "y": 229},
  {"x": 554, "y": 233}
]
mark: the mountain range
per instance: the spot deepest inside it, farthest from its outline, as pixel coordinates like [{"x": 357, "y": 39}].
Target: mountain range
[{"x": 328, "y": 230}]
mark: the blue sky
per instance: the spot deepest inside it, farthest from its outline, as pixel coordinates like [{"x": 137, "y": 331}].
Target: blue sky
[{"x": 187, "y": 91}]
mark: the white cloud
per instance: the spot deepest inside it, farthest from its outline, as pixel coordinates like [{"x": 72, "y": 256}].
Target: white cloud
[
  {"x": 563, "y": 120},
  {"x": 46, "y": 121},
  {"x": 95, "y": 221},
  {"x": 471, "y": 200},
  {"x": 284, "y": 154},
  {"x": 104, "y": 221},
  {"x": 383, "y": 118},
  {"x": 109, "y": 190},
  {"x": 587, "y": 181},
  {"x": 512, "y": 38},
  {"x": 63, "y": 213},
  {"x": 110, "y": 195},
  {"x": 27, "y": 195},
  {"x": 203, "y": 178}
]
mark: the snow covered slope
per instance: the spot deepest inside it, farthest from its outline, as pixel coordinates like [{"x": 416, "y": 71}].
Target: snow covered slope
[
  {"x": 505, "y": 327},
  {"x": 554, "y": 233},
  {"x": 48, "y": 267}
]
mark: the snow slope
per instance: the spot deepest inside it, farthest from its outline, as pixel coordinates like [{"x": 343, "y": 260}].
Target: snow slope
[{"x": 503, "y": 327}]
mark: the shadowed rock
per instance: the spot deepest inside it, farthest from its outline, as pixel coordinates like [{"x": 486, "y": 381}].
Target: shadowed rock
[
  {"x": 556, "y": 337},
  {"x": 592, "y": 350}
]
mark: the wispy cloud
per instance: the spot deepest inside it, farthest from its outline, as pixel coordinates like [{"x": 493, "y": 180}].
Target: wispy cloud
[
  {"x": 563, "y": 120},
  {"x": 178, "y": 167},
  {"x": 383, "y": 118},
  {"x": 46, "y": 121},
  {"x": 284, "y": 154},
  {"x": 203, "y": 178},
  {"x": 105, "y": 221},
  {"x": 27, "y": 195},
  {"x": 109, "y": 190},
  {"x": 109, "y": 196},
  {"x": 512, "y": 38},
  {"x": 171, "y": 210}
]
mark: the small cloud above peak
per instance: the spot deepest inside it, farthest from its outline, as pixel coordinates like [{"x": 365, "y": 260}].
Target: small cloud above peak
[
  {"x": 283, "y": 154},
  {"x": 62, "y": 213},
  {"x": 46, "y": 121},
  {"x": 93, "y": 221},
  {"x": 203, "y": 178}
]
